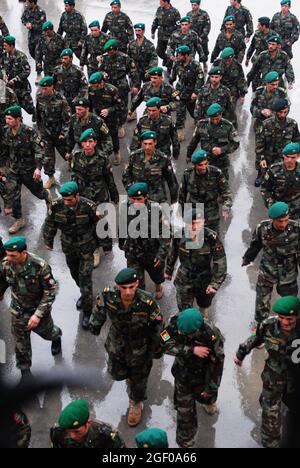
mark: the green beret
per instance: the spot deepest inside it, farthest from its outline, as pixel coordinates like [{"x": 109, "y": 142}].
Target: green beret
[
  {"x": 96, "y": 78},
  {"x": 227, "y": 53},
  {"x": 184, "y": 49},
  {"x": 138, "y": 189},
  {"x": 15, "y": 244},
  {"x": 110, "y": 45},
  {"x": 192, "y": 214},
  {"x": 215, "y": 71},
  {"x": 276, "y": 39},
  {"x": 153, "y": 102},
  {"x": 287, "y": 306},
  {"x": 272, "y": 76},
  {"x": 149, "y": 135},
  {"x": 46, "y": 81},
  {"x": 214, "y": 110},
  {"x": 68, "y": 189},
  {"x": 185, "y": 19},
  {"x": 189, "y": 321},
  {"x": 280, "y": 104},
  {"x": 152, "y": 438},
  {"x": 75, "y": 415},
  {"x": 69, "y": 2},
  {"x": 88, "y": 134},
  {"x": 126, "y": 276},
  {"x": 115, "y": 2},
  {"x": 140, "y": 26},
  {"x": 94, "y": 24},
  {"x": 229, "y": 18},
  {"x": 11, "y": 40},
  {"x": 291, "y": 148},
  {"x": 199, "y": 156},
  {"x": 285, "y": 2},
  {"x": 278, "y": 210},
  {"x": 66, "y": 53},
  {"x": 264, "y": 21},
  {"x": 82, "y": 101},
  {"x": 47, "y": 26},
  {"x": 14, "y": 111},
  {"x": 196, "y": 1},
  {"x": 156, "y": 71}
]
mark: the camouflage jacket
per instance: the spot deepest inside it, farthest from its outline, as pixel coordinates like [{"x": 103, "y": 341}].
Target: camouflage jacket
[
  {"x": 190, "y": 78},
  {"x": 53, "y": 115},
  {"x": 3, "y": 28},
  {"x": 235, "y": 40},
  {"x": 243, "y": 18},
  {"x": 94, "y": 176},
  {"x": 118, "y": 68},
  {"x": 36, "y": 17},
  {"x": 17, "y": 68},
  {"x": 32, "y": 285},
  {"x": 259, "y": 43},
  {"x": 91, "y": 49},
  {"x": 22, "y": 430},
  {"x": 71, "y": 82},
  {"x": 7, "y": 192},
  {"x": 264, "y": 100},
  {"x": 188, "y": 368},
  {"x": 156, "y": 173},
  {"x": 168, "y": 95},
  {"x": 166, "y": 21},
  {"x": 134, "y": 334},
  {"x": 78, "y": 126},
  {"x": 166, "y": 132},
  {"x": 8, "y": 98},
  {"x": 120, "y": 27},
  {"x": 280, "y": 251},
  {"x": 190, "y": 39},
  {"x": 144, "y": 56},
  {"x": 77, "y": 226},
  {"x": 200, "y": 23},
  {"x": 100, "y": 436},
  {"x": 265, "y": 63},
  {"x": 208, "y": 96},
  {"x": 207, "y": 261},
  {"x": 287, "y": 27},
  {"x": 233, "y": 78},
  {"x": 74, "y": 26},
  {"x": 106, "y": 98},
  {"x": 47, "y": 53}
]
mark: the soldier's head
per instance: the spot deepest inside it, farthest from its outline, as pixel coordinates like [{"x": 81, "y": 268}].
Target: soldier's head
[
  {"x": 46, "y": 86},
  {"x": 287, "y": 309},
  {"x": 75, "y": 420},
  {"x": 183, "y": 53},
  {"x": 139, "y": 30},
  {"x": 95, "y": 28},
  {"x": 282, "y": 108},
  {"x": 16, "y": 250},
  {"x": 88, "y": 141},
  {"x": 9, "y": 44},
  {"x": 272, "y": 80},
  {"x": 235, "y": 3},
  {"x": 185, "y": 24},
  {"x": 153, "y": 108},
  {"x": 31, "y": 4},
  {"x": 274, "y": 43},
  {"x": 156, "y": 76},
  {"x": 279, "y": 214},
  {"x": 291, "y": 154},
  {"x": 69, "y": 5},
  {"x": 111, "y": 47},
  {"x": 194, "y": 221},
  {"x": 127, "y": 282},
  {"x": 285, "y": 6},
  {"x": 48, "y": 29},
  {"x": 115, "y": 7},
  {"x": 152, "y": 438},
  {"x": 96, "y": 80},
  {"x": 66, "y": 57},
  {"x": 70, "y": 193},
  {"x": 214, "y": 113},
  {"x": 189, "y": 322},
  {"x": 164, "y": 3},
  {"x": 227, "y": 56},
  {"x": 149, "y": 142},
  {"x": 195, "y": 5},
  {"x": 82, "y": 107},
  {"x": 13, "y": 116},
  {"x": 138, "y": 193},
  {"x": 263, "y": 24},
  {"x": 200, "y": 162},
  {"x": 229, "y": 23},
  {"x": 215, "y": 76}
]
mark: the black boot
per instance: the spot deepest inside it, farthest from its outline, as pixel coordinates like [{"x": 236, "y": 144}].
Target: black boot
[
  {"x": 86, "y": 320},
  {"x": 258, "y": 179},
  {"x": 56, "y": 347},
  {"x": 79, "y": 304}
]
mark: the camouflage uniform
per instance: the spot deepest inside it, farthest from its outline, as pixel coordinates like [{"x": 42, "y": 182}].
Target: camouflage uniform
[
  {"x": 166, "y": 134},
  {"x": 235, "y": 40},
  {"x": 71, "y": 82},
  {"x": 199, "y": 268},
  {"x": 190, "y": 80},
  {"x": 233, "y": 79},
  {"x": 120, "y": 27},
  {"x": 193, "y": 376},
  {"x": 8, "y": 98},
  {"x": 155, "y": 173},
  {"x": 91, "y": 49},
  {"x": 279, "y": 264},
  {"x": 78, "y": 126},
  {"x": 133, "y": 338},
  {"x": 201, "y": 24},
  {"x": 78, "y": 238},
  {"x": 7, "y": 190},
  {"x": 243, "y": 19},
  {"x": 259, "y": 44},
  {"x": 168, "y": 95},
  {"x": 208, "y": 189},
  {"x": 265, "y": 63},
  {"x": 264, "y": 100},
  {"x": 100, "y": 436},
  {"x": 287, "y": 27},
  {"x": 22, "y": 430},
  {"x": 33, "y": 293},
  {"x": 190, "y": 39},
  {"x": 208, "y": 96},
  {"x": 209, "y": 136},
  {"x": 144, "y": 57},
  {"x": 36, "y": 17},
  {"x": 47, "y": 53},
  {"x": 74, "y": 26},
  {"x": 53, "y": 120},
  {"x": 275, "y": 375},
  {"x": 166, "y": 21},
  {"x": 5, "y": 32}
]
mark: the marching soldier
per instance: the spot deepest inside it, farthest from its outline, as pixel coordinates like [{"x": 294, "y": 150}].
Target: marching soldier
[
  {"x": 259, "y": 41},
  {"x": 243, "y": 18},
  {"x": 286, "y": 26},
  {"x": 166, "y": 20},
  {"x": 8, "y": 99},
  {"x": 73, "y": 25},
  {"x": 92, "y": 49},
  {"x": 230, "y": 37},
  {"x": 119, "y": 26},
  {"x": 48, "y": 49},
  {"x": 202, "y": 25}
]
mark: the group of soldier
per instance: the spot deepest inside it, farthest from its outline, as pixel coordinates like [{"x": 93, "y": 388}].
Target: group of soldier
[{"x": 83, "y": 117}]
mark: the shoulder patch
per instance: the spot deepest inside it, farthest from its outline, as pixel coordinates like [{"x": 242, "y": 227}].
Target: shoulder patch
[{"x": 165, "y": 336}]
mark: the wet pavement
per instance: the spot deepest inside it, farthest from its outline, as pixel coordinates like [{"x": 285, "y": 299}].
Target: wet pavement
[{"x": 237, "y": 424}]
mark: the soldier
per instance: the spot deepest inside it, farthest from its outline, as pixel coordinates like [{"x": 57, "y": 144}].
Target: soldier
[
  {"x": 69, "y": 80},
  {"x": 153, "y": 167},
  {"x": 53, "y": 121},
  {"x": 201, "y": 24},
  {"x": 162, "y": 125},
  {"x": 8, "y": 98},
  {"x": 92, "y": 49},
  {"x": 215, "y": 91},
  {"x": 203, "y": 266},
  {"x": 16, "y": 71},
  {"x": 145, "y": 253},
  {"x": 25, "y": 152},
  {"x": 278, "y": 334},
  {"x": 73, "y": 24},
  {"x": 106, "y": 102},
  {"x": 48, "y": 50},
  {"x": 190, "y": 81},
  {"x": 230, "y": 37},
  {"x": 166, "y": 20},
  {"x": 206, "y": 184},
  {"x": 133, "y": 339},
  {"x": 273, "y": 59},
  {"x": 282, "y": 181},
  {"x": 275, "y": 133},
  {"x": 259, "y": 41},
  {"x": 217, "y": 137},
  {"x": 116, "y": 66},
  {"x": 4, "y": 32},
  {"x": 286, "y": 26},
  {"x": 76, "y": 429},
  {"x": 279, "y": 238},
  {"x": 76, "y": 217},
  {"x": 152, "y": 438},
  {"x": 198, "y": 348},
  {"x": 243, "y": 18},
  {"x": 33, "y": 294},
  {"x": 119, "y": 26}
]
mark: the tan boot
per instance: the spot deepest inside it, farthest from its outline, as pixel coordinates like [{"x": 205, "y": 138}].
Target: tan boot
[
  {"x": 159, "y": 292},
  {"x": 17, "y": 226},
  {"x": 135, "y": 413},
  {"x": 210, "y": 409},
  {"x": 132, "y": 117},
  {"x": 180, "y": 134},
  {"x": 97, "y": 258},
  {"x": 121, "y": 132},
  {"x": 117, "y": 159},
  {"x": 51, "y": 182}
]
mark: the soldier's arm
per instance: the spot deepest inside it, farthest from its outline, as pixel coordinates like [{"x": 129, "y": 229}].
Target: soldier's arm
[
  {"x": 289, "y": 72},
  {"x": 266, "y": 189},
  {"x": 117, "y": 105},
  {"x": 183, "y": 191},
  {"x": 233, "y": 141},
  {"x": 216, "y": 51},
  {"x": 129, "y": 29},
  {"x": 154, "y": 24},
  {"x": 242, "y": 50},
  {"x": 135, "y": 142},
  {"x": 175, "y": 141},
  {"x": 164, "y": 240},
  {"x": 254, "y": 108},
  {"x": 242, "y": 84},
  {"x": 49, "y": 228},
  {"x": 8, "y": 187},
  {"x": 255, "y": 247},
  {"x": 49, "y": 286},
  {"x": 39, "y": 150},
  {"x": 155, "y": 327},
  {"x": 25, "y": 71},
  {"x": 4, "y": 285},
  {"x": 105, "y": 27},
  {"x": 296, "y": 134},
  {"x": 99, "y": 315},
  {"x": 296, "y": 30},
  {"x": 39, "y": 55},
  {"x": 193, "y": 143},
  {"x": 24, "y": 17},
  {"x": 170, "y": 343},
  {"x": 170, "y": 52},
  {"x": 66, "y": 118},
  {"x": 110, "y": 181},
  {"x": 127, "y": 178},
  {"x": 174, "y": 74},
  {"x": 170, "y": 177},
  {"x": 3, "y": 28},
  {"x": 173, "y": 256},
  {"x": 133, "y": 73},
  {"x": 84, "y": 87},
  {"x": 153, "y": 62},
  {"x": 260, "y": 145},
  {"x": 214, "y": 373},
  {"x": 249, "y": 25},
  {"x": 225, "y": 193},
  {"x": 106, "y": 140},
  {"x": 60, "y": 30},
  {"x": 255, "y": 70},
  {"x": 36, "y": 23},
  {"x": 137, "y": 100},
  {"x": 200, "y": 81},
  {"x": 251, "y": 343},
  {"x": 251, "y": 50},
  {"x": 207, "y": 27},
  {"x": 199, "y": 49},
  {"x": 84, "y": 53},
  {"x": 198, "y": 108},
  {"x": 219, "y": 270},
  {"x": 83, "y": 29}
]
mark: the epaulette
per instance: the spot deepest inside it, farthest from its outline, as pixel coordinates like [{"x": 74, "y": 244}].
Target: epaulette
[
  {"x": 88, "y": 202},
  {"x": 146, "y": 297},
  {"x": 37, "y": 259},
  {"x": 211, "y": 233}
]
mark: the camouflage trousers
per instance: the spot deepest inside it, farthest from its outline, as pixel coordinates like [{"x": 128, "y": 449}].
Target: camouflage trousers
[
  {"x": 34, "y": 186},
  {"x": 25, "y": 100},
  {"x": 187, "y": 291},
  {"x": 52, "y": 143},
  {"x": 264, "y": 289},
  {"x": 112, "y": 124},
  {"x": 81, "y": 269},
  {"x": 122, "y": 115},
  {"x": 161, "y": 49},
  {"x": 46, "y": 330},
  {"x": 141, "y": 266},
  {"x": 204, "y": 43},
  {"x": 181, "y": 110}
]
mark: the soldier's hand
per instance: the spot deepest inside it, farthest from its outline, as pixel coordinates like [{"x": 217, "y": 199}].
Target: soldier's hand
[
  {"x": 210, "y": 291},
  {"x": 28, "y": 25},
  {"x": 104, "y": 113},
  {"x": 226, "y": 215},
  {"x": 37, "y": 174},
  {"x": 263, "y": 164},
  {"x": 157, "y": 262},
  {"x": 194, "y": 97},
  {"x": 168, "y": 277},
  {"x": 247, "y": 40},
  {"x": 134, "y": 91},
  {"x": 8, "y": 211},
  {"x": 237, "y": 362},
  {"x": 11, "y": 83},
  {"x": 206, "y": 395},
  {"x": 245, "y": 263},
  {"x": 164, "y": 109},
  {"x": 61, "y": 137},
  {"x": 290, "y": 86},
  {"x": 216, "y": 151},
  {"x": 33, "y": 323},
  {"x": 266, "y": 113},
  {"x": 242, "y": 100},
  {"x": 201, "y": 352},
  {"x": 68, "y": 156}
]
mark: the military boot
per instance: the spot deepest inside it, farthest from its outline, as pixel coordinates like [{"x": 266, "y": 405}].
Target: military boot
[
  {"x": 17, "y": 226},
  {"x": 51, "y": 182},
  {"x": 56, "y": 347},
  {"x": 188, "y": 444},
  {"x": 86, "y": 320},
  {"x": 135, "y": 413},
  {"x": 97, "y": 258},
  {"x": 117, "y": 159},
  {"x": 132, "y": 117},
  {"x": 180, "y": 134},
  {"x": 121, "y": 132},
  {"x": 210, "y": 409},
  {"x": 159, "y": 292}
]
